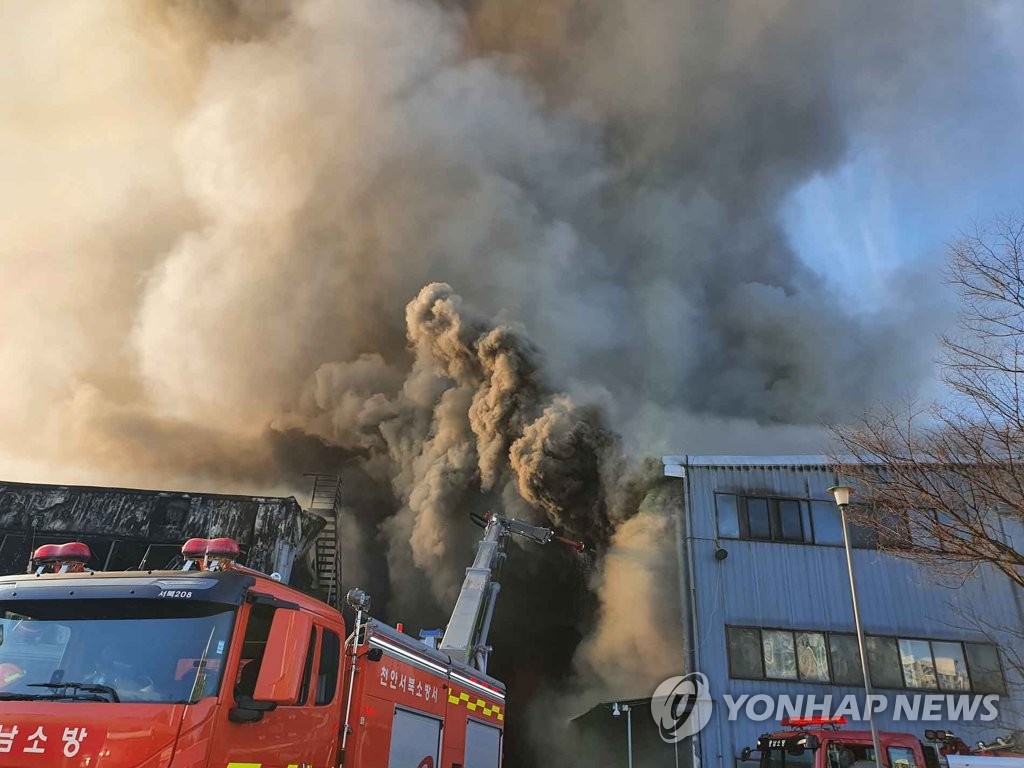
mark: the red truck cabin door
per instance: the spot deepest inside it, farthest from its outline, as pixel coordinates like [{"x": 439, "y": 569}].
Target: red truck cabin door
[{"x": 302, "y": 731}]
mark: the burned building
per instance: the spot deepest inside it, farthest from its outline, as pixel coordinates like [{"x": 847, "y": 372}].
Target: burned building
[
  {"x": 129, "y": 529},
  {"x": 617, "y": 733}
]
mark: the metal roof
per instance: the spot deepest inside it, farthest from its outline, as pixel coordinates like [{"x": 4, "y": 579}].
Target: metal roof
[
  {"x": 113, "y": 489},
  {"x": 781, "y": 460}
]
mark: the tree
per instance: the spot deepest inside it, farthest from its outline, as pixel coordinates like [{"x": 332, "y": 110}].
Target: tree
[{"x": 943, "y": 483}]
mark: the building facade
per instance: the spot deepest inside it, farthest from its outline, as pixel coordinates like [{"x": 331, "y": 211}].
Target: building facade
[
  {"x": 132, "y": 529},
  {"x": 767, "y": 594}
]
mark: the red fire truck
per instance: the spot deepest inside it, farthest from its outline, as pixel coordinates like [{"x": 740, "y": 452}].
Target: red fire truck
[
  {"x": 819, "y": 742},
  {"x": 220, "y": 666}
]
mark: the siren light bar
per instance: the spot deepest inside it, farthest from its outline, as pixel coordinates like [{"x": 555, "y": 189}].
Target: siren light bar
[
  {"x": 803, "y": 722},
  {"x": 210, "y": 554},
  {"x": 61, "y": 558}
]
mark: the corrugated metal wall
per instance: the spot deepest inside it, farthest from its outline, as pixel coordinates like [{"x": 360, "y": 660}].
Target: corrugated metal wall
[{"x": 803, "y": 586}]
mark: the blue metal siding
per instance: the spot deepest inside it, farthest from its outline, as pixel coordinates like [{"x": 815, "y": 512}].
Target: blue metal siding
[{"x": 801, "y": 586}]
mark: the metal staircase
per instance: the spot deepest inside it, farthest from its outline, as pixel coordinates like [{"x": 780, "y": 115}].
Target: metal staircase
[{"x": 325, "y": 500}]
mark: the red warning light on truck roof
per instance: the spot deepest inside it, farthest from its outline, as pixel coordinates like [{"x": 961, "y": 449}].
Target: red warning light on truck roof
[{"x": 803, "y": 722}]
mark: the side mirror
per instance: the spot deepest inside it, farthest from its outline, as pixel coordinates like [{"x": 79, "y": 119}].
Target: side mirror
[
  {"x": 283, "y": 663},
  {"x": 249, "y": 710}
]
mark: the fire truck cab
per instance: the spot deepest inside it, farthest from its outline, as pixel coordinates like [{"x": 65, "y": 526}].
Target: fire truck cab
[
  {"x": 219, "y": 666},
  {"x": 814, "y": 742},
  {"x": 818, "y": 742}
]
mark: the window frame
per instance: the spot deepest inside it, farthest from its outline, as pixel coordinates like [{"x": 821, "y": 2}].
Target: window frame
[
  {"x": 963, "y": 655},
  {"x": 309, "y": 667},
  {"x": 828, "y": 655},
  {"x": 828, "y": 634},
  {"x": 806, "y": 517},
  {"x": 775, "y": 516},
  {"x": 814, "y": 526},
  {"x": 792, "y": 645},
  {"x": 729, "y": 654},
  {"x": 743, "y": 510},
  {"x": 244, "y": 624},
  {"x": 893, "y": 760},
  {"x": 931, "y": 657},
  {"x": 1001, "y": 668},
  {"x": 894, "y": 641},
  {"x": 339, "y": 667},
  {"x": 736, "y": 508}
]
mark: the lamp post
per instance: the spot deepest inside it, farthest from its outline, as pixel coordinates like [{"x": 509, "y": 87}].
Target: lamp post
[
  {"x": 616, "y": 709},
  {"x": 842, "y": 497}
]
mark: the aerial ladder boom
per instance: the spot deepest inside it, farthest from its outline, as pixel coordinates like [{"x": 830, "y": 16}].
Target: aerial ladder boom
[{"x": 470, "y": 623}]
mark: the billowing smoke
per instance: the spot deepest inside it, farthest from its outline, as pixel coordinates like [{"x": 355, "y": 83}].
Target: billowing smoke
[
  {"x": 215, "y": 212},
  {"x": 473, "y": 426}
]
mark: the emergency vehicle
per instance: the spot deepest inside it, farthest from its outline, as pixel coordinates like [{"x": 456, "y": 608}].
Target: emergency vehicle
[
  {"x": 220, "y": 666},
  {"x": 819, "y": 742},
  {"x": 1001, "y": 753}
]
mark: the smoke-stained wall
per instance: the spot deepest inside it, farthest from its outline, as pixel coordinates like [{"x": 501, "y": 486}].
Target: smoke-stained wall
[{"x": 271, "y": 532}]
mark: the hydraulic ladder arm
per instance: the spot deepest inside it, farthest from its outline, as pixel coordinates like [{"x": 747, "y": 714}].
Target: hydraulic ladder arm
[{"x": 470, "y": 623}]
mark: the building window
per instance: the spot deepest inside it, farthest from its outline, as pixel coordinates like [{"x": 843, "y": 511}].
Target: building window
[
  {"x": 862, "y": 537},
  {"x": 918, "y": 665},
  {"x": 983, "y": 668},
  {"x": 828, "y": 528},
  {"x": 807, "y": 521},
  {"x": 845, "y": 654},
  {"x": 833, "y": 657},
  {"x": 811, "y": 659},
  {"x": 762, "y": 518},
  {"x": 790, "y": 526},
  {"x": 744, "y": 653},
  {"x": 728, "y": 516},
  {"x": 758, "y": 523},
  {"x": 884, "y": 662},
  {"x": 950, "y": 666},
  {"x": 779, "y": 655}
]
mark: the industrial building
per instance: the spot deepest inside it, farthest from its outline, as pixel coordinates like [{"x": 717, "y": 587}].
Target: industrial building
[
  {"x": 767, "y": 599},
  {"x": 132, "y": 529}
]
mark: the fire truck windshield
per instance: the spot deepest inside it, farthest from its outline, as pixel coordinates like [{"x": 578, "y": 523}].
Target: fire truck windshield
[{"x": 113, "y": 650}]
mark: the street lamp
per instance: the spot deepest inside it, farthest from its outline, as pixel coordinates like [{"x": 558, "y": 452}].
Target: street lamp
[
  {"x": 841, "y": 493},
  {"x": 616, "y": 710}
]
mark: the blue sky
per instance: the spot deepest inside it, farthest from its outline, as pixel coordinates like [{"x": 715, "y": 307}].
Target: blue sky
[{"x": 911, "y": 181}]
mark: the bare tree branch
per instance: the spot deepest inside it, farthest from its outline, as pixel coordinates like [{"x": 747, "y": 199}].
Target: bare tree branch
[{"x": 943, "y": 484}]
